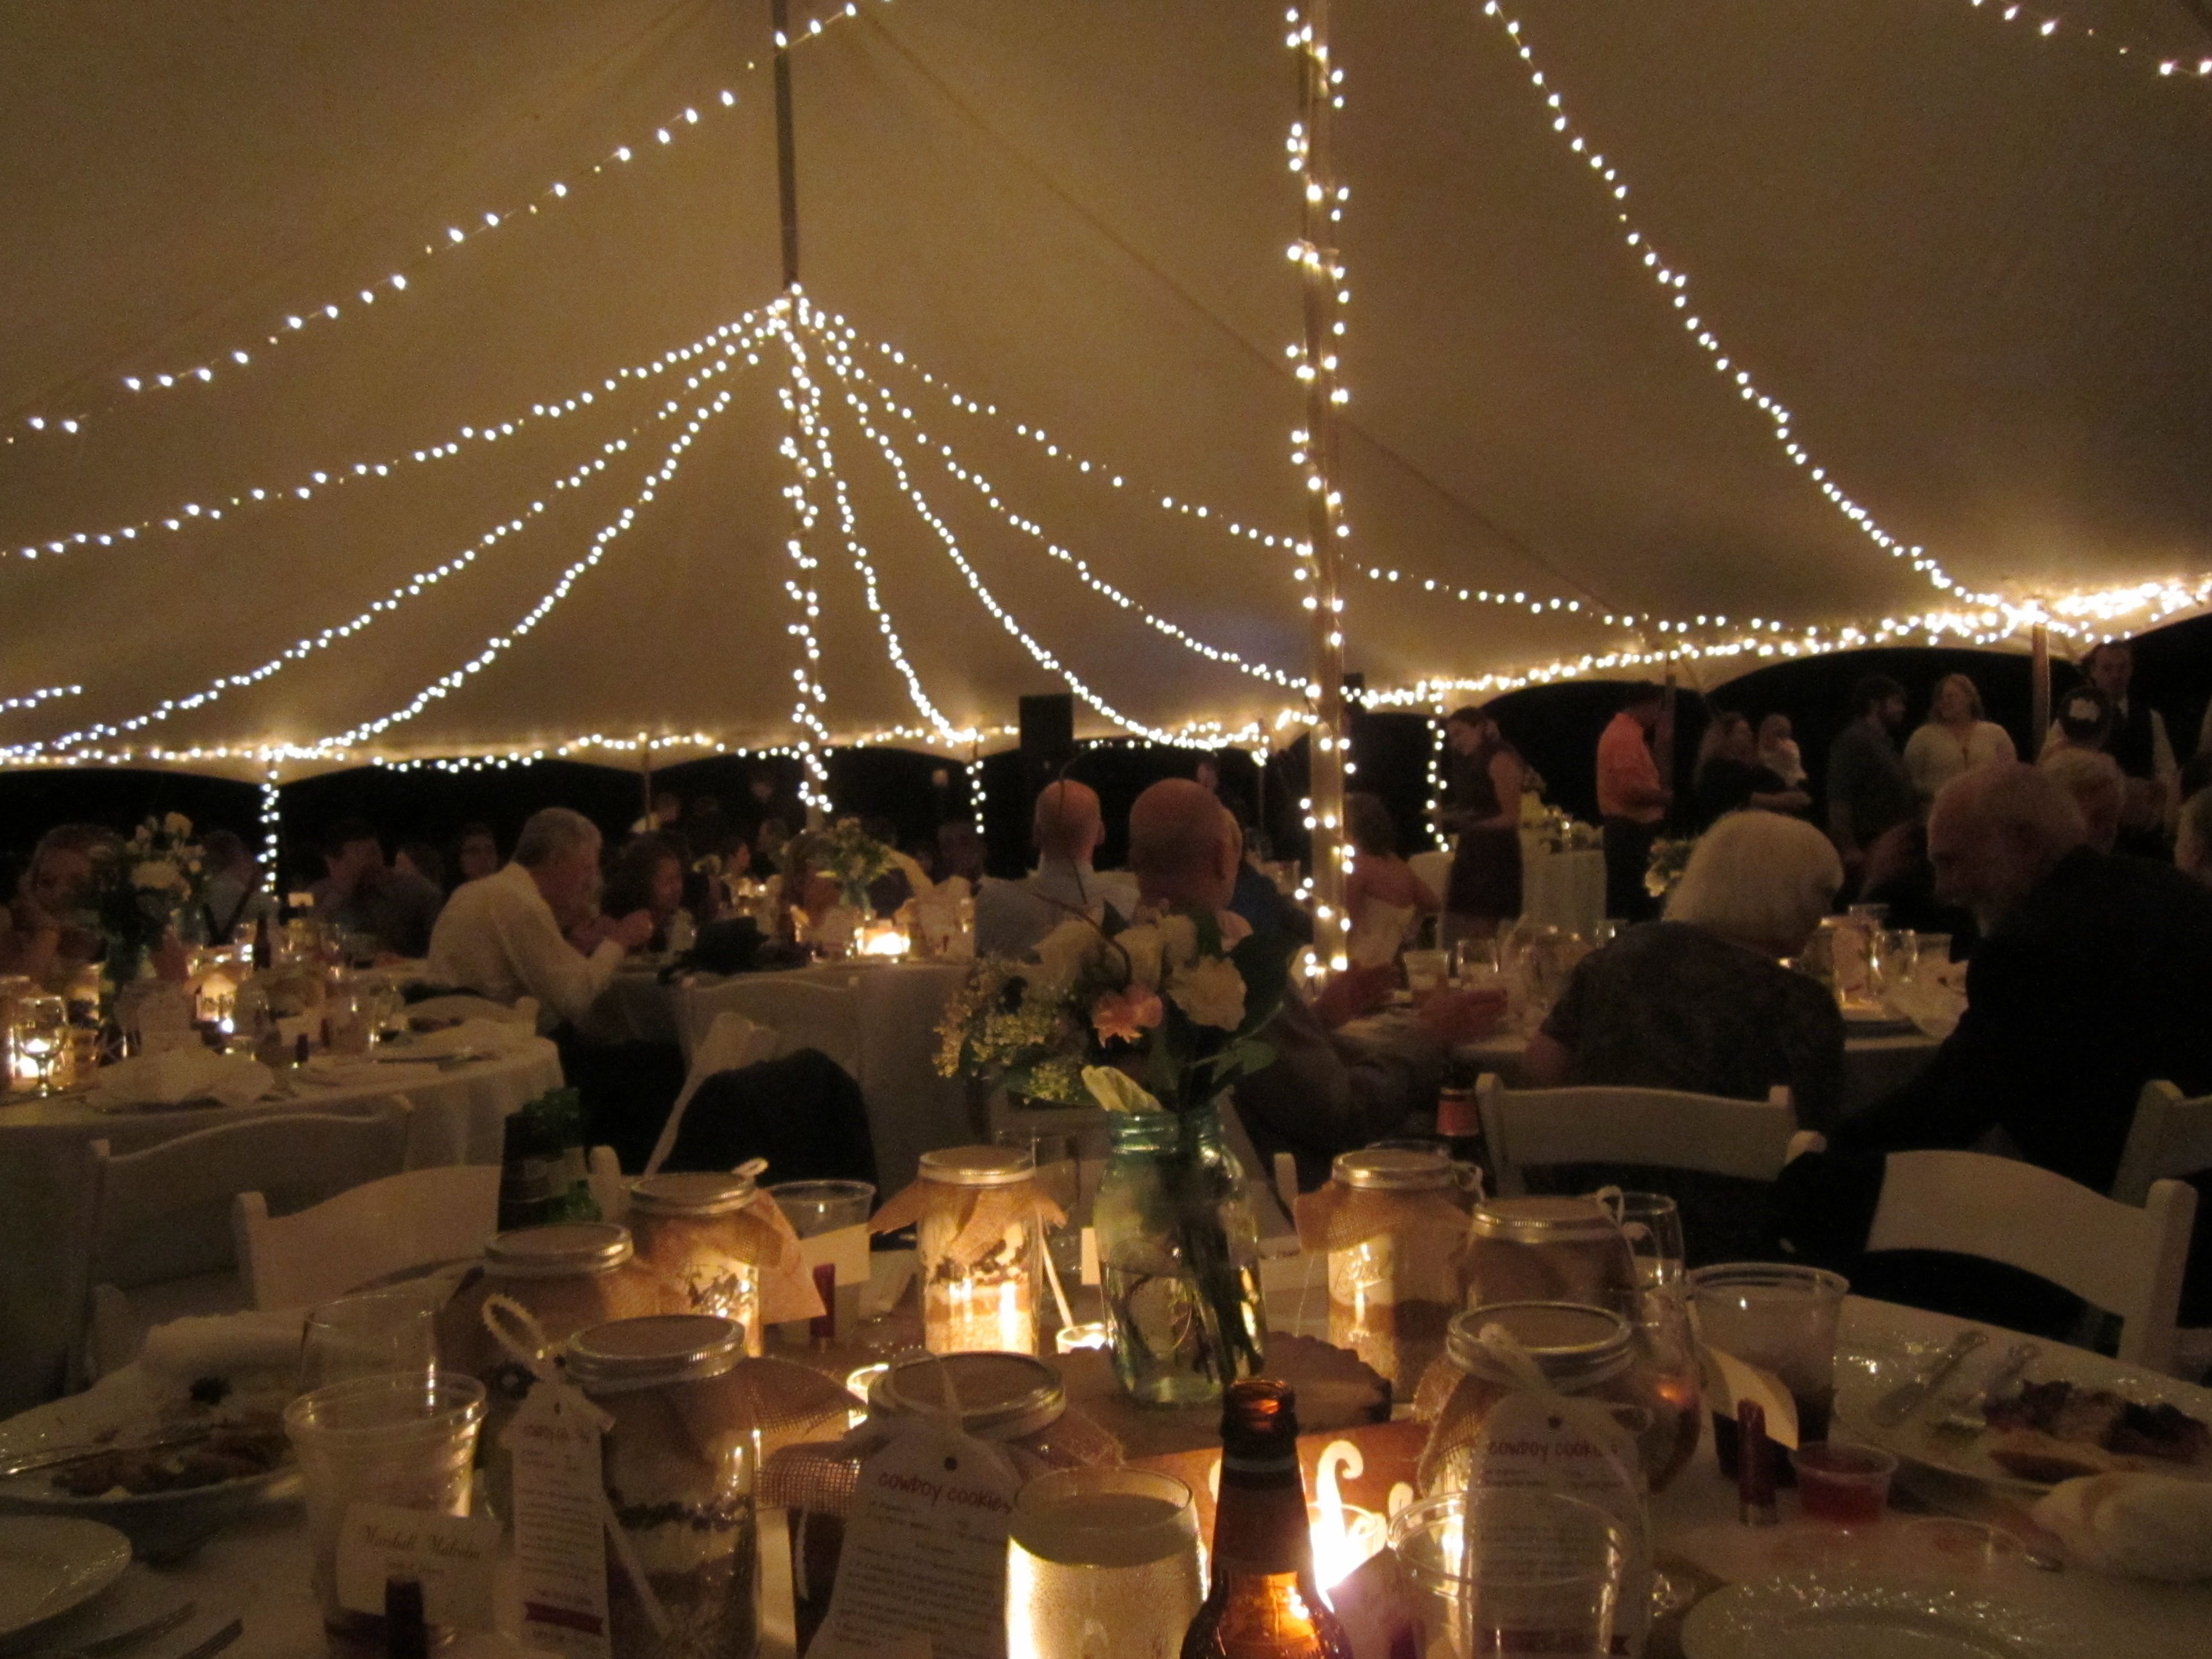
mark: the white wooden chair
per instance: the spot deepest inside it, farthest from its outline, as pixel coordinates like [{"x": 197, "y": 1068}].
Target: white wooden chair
[
  {"x": 161, "y": 1216},
  {"x": 411, "y": 1219},
  {"x": 2170, "y": 1139},
  {"x": 2126, "y": 1259},
  {"x": 1531, "y": 1128},
  {"x": 730, "y": 1043},
  {"x": 804, "y": 1013}
]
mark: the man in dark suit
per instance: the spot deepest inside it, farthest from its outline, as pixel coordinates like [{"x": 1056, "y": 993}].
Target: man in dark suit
[{"x": 2093, "y": 976}]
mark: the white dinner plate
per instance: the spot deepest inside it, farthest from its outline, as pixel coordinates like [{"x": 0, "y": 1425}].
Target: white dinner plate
[
  {"x": 1822, "y": 1616},
  {"x": 1875, "y": 1355},
  {"x": 51, "y": 1564}
]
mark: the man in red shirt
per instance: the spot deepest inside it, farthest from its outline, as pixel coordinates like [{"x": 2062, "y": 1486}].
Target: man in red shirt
[{"x": 1631, "y": 799}]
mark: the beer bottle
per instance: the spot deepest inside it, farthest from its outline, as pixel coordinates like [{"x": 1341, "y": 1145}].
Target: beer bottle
[{"x": 1263, "y": 1602}]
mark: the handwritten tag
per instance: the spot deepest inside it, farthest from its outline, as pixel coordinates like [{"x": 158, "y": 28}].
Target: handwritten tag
[
  {"x": 559, "y": 1550},
  {"x": 925, "y": 1551},
  {"x": 451, "y": 1554}
]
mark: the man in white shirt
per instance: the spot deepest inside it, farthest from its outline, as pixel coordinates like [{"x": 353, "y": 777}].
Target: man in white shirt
[
  {"x": 509, "y": 935},
  {"x": 1012, "y": 916}
]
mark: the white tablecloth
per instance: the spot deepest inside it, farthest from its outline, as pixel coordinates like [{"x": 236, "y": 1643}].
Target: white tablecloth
[
  {"x": 263, "y": 1563},
  {"x": 1565, "y": 890},
  {"x": 43, "y": 1143}
]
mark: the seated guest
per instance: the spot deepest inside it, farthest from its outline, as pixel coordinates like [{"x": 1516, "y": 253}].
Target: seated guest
[
  {"x": 509, "y": 935},
  {"x": 647, "y": 875},
  {"x": 1381, "y": 896},
  {"x": 1012, "y": 916},
  {"x": 2093, "y": 779},
  {"x": 1779, "y": 752},
  {"x": 959, "y": 852},
  {"x": 1323, "y": 1095},
  {"x": 478, "y": 853},
  {"x": 2092, "y": 976},
  {"x": 1898, "y": 874},
  {"x": 359, "y": 893},
  {"x": 231, "y": 893},
  {"x": 2192, "y": 841},
  {"x": 1730, "y": 776},
  {"x": 1700, "y": 1001},
  {"x": 52, "y": 927}
]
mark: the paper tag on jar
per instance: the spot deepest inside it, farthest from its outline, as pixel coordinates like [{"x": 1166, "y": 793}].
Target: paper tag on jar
[
  {"x": 1729, "y": 1381},
  {"x": 1580, "y": 1449},
  {"x": 560, "y": 1511},
  {"x": 451, "y": 1555},
  {"x": 925, "y": 1550}
]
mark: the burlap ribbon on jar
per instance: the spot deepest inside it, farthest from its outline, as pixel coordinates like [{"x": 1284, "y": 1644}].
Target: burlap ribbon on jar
[
  {"x": 1335, "y": 1217},
  {"x": 979, "y": 1216}
]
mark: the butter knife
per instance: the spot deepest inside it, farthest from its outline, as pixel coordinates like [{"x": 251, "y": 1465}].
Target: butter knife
[
  {"x": 1900, "y": 1403},
  {"x": 1969, "y": 1412}
]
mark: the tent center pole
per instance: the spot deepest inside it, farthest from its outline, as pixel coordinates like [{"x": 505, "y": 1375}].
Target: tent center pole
[
  {"x": 1322, "y": 279},
  {"x": 2038, "y": 701},
  {"x": 787, "y": 166}
]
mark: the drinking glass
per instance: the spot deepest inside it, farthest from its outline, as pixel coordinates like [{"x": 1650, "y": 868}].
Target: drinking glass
[
  {"x": 1934, "y": 949},
  {"x": 390, "y": 1333},
  {"x": 813, "y": 1208},
  {"x": 1058, "y": 1169},
  {"x": 1782, "y": 1319},
  {"x": 1426, "y": 972},
  {"x": 1102, "y": 1564},
  {"x": 404, "y": 1441},
  {"x": 1653, "y": 1223},
  {"x": 1512, "y": 1570},
  {"x": 39, "y": 1037},
  {"x": 1900, "y": 949}
]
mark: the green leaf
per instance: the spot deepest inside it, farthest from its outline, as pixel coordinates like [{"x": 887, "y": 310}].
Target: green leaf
[{"x": 1116, "y": 1091}]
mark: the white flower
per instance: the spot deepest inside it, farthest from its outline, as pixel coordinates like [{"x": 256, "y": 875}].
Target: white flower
[
  {"x": 1068, "y": 950},
  {"x": 178, "y": 825},
  {"x": 1143, "y": 944},
  {"x": 1178, "y": 941},
  {"x": 156, "y": 874},
  {"x": 1234, "y": 928},
  {"x": 1211, "y": 992}
]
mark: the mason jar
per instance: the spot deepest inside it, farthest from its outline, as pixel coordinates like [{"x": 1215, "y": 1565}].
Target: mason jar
[
  {"x": 1548, "y": 1249},
  {"x": 1396, "y": 1218},
  {"x": 979, "y": 1238},
  {"x": 1179, "y": 1251},
  {"x": 678, "y": 1473},
  {"x": 692, "y": 1232}
]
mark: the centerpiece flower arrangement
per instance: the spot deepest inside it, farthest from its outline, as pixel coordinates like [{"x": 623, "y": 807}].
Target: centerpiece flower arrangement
[
  {"x": 851, "y": 857},
  {"x": 1153, "y": 1020},
  {"x": 140, "y": 886},
  {"x": 1669, "y": 857}
]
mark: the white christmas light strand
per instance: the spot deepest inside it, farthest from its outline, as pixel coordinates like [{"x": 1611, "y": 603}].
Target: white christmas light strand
[
  {"x": 446, "y": 685},
  {"x": 848, "y": 338},
  {"x": 1675, "y": 283},
  {"x": 846, "y": 372},
  {"x": 2047, "y": 26},
  {"x": 189, "y": 514},
  {"x": 44, "y": 694},
  {"x": 273, "y": 830},
  {"x": 806, "y": 710},
  {"x": 415, "y": 585},
  {"x": 807, "y": 411}
]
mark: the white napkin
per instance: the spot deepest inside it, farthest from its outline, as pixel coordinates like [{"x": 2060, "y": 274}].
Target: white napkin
[
  {"x": 2139, "y": 1525},
  {"x": 479, "y": 1036},
  {"x": 182, "y": 1075},
  {"x": 218, "y": 1345}
]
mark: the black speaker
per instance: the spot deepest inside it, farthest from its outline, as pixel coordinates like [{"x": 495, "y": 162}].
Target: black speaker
[{"x": 1049, "y": 731}]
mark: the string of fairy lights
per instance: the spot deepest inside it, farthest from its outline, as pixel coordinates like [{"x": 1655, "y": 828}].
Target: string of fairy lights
[
  {"x": 808, "y": 335},
  {"x": 2044, "y": 25}
]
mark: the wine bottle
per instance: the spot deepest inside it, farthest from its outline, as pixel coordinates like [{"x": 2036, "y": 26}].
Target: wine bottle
[{"x": 1263, "y": 1602}]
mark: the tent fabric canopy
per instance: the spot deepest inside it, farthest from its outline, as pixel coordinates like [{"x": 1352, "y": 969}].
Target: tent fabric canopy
[{"x": 1965, "y": 257}]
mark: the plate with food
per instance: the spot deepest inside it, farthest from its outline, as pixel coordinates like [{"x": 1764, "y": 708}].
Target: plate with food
[
  {"x": 170, "y": 1448},
  {"x": 1840, "y": 1617},
  {"x": 2069, "y": 1412}
]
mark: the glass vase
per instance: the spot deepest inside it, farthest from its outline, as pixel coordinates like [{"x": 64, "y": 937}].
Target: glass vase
[{"x": 1180, "y": 1253}]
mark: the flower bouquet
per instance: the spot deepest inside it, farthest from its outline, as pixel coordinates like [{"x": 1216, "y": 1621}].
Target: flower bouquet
[
  {"x": 140, "y": 885},
  {"x": 851, "y": 857},
  {"x": 1669, "y": 860},
  {"x": 1153, "y": 1020}
]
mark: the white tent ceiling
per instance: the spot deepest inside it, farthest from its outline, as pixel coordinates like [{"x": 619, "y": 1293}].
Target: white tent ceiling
[{"x": 1967, "y": 256}]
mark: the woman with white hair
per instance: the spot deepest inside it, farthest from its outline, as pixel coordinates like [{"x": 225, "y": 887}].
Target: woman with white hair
[{"x": 1700, "y": 1001}]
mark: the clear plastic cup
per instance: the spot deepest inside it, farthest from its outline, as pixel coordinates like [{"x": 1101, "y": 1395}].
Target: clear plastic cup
[
  {"x": 1781, "y": 1318},
  {"x": 1102, "y": 1564},
  {"x": 1504, "y": 1569},
  {"x": 387, "y": 1333},
  {"x": 405, "y": 1441},
  {"x": 1844, "y": 1485},
  {"x": 815, "y": 1208}
]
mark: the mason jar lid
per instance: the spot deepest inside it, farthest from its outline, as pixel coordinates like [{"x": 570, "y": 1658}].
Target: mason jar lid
[
  {"x": 560, "y": 1251},
  {"x": 979, "y": 1166},
  {"x": 708, "y": 1193},
  {"x": 1003, "y": 1396},
  {"x": 1574, "y": 1345},
  {"x": 1562, "y": 1220},
  {"x": 627, "y": 1354},
  {"x": 1392, "y": 1169}
]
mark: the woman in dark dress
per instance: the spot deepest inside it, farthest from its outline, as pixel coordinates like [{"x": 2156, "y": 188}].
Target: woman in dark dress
[
  {"x": 1729, "y": 777},
  {"x": 1481, "y": 806}
]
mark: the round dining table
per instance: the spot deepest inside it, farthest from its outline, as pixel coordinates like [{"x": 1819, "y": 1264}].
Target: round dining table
[
  {"x": 256, "y": 1571},
  {"x": 457, "y": 1116}
]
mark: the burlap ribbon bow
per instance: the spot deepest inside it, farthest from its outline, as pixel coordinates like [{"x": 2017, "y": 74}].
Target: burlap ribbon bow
[{"x": 979, "y": 1216}]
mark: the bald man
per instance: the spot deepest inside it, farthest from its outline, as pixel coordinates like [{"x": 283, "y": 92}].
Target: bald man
[
  {"x": 1012, "y": 916},
  {"x": 1321, "y": 1096},
  {"x": 2093, "y": 976}
]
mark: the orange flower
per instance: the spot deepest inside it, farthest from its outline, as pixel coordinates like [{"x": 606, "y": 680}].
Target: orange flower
[{"x": 1127, "y": 1015}]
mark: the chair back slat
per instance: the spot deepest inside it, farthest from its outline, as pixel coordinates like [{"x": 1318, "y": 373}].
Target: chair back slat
[
  {"x": 2171, "y": 1139},
  {"x": 385, "y": 1226},
  {"x": 1534, "y": 1127},
  {"x": 2126, "y": 1259}
]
